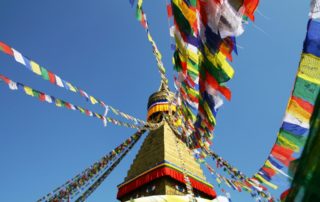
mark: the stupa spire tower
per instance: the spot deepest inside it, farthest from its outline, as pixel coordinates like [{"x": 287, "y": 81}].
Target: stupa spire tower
[{"x": 159, "y": 169}]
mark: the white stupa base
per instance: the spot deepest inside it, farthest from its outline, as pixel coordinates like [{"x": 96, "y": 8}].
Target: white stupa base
[{"x": 173, "y": 198}]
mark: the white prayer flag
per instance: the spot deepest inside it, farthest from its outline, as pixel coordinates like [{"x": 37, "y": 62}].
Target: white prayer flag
[
  {"x": 48, "y": 98},
  {"x": 18, "y": 57},
  {"x": 13, "y": 85},
  {"x": 59, "y": 81},
  {"x": 315, "y": 9},
  {"x": 289, "y": 118}
]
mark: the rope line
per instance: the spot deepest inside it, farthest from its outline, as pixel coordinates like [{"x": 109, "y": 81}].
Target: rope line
[
  {"x": 100, "y": 169},
  {"x": 96, "y": 184}
]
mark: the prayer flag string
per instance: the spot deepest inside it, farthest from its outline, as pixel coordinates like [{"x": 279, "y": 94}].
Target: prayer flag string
[
  {"x": 239, "y": 180},
  {"x": 106, "y": 173},
  {"x": 204, "y": 32},
  {"x": 99, "y": 169},
  {"x": 295, "y": 127},
  {"x": 142, "y": 18},
  {"x": 58, "y": 81},
  {"x": 61, "y": 103}
]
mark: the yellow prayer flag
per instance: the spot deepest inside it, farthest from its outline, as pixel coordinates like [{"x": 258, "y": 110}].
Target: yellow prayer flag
[
  {"x": 297, "y": 111},
  {"x": 209, "y": 113},
  {"x": 35, "y": 67},
  {"x": 185, "y": 52},
  {"x": 28, "y": 90},
  {"x": 58, "y": 103},
  {"x": 140, "y": 3},
  {"x": 309, "y": 68},
  {"x": 193, "y": 56},
  {"x": 287, "y": 143},
  {"x": 71, "y": 87},
  {"x": 179, "y": 42},
  {"x": 273, "y": 186},
  {"x": 188, "y": 13},
  {"x": 225, "y": 65},
  {"x": 178, "y": 122},
  {"x": 219, "y": 61},
  {"x": 270, "y": 165},
  {"x": 81, "y": 109},
  {"x": 192, "y": 68},
  {"x": 93, "y": 100},
  {"x": 149, "y": 37}
]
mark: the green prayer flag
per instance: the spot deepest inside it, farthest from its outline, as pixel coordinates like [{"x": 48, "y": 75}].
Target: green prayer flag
[
  {"x": 35, "y": 93},
  {"x": 306, "y": 90},
  {"x": 182, "y": 22},
  {"x": 44, "y": 74},
  {"x": 297, "y": 140},
  {"x": 139, "y": 13},
  {"x": 217, "y": 72},
  {"x": 193, "y": 3}
]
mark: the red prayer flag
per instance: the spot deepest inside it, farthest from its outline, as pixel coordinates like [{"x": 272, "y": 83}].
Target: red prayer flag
[
  {"x": 5, "y": 79},
  {"x": 213, "y": 83},
  {"x": 5, "y": 48},
  {"x": 190, "y": 81},
  {"x": 225, "y": 92},
  {"x": 42, "y": 97},
  {"x": 68, "y": 105},
  {"x": 87, "y": 112},
  {"x": 303, "y": 104},
  {"x": 269, "y": 171},
  {"x": 169, "y": 11},
  {"x": 202, "y": 10},
  {"x": 284, "y": 155},
  {"x": 52, "y": 77},
  {"x": 284, "y": 195},
  {"x": 250, "y": 7},
  {"x": 143, "y": 21}
]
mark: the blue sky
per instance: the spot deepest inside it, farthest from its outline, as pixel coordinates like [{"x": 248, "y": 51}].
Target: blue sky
[{"x": 100, "y": 47}]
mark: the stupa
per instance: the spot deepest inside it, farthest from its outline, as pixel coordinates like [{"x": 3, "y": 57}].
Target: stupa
[{"x": 164, "y": 162}]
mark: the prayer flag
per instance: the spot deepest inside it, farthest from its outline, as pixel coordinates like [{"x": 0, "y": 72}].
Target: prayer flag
[
  {"x": 294, "y": 129},
  {"x": 265, "y": 181},
  {"x": 131, "y": 2},
  {"x": 289, "y": 118},
  {"x": 169, "y": 10},
  {"x": 35, "y": 67},
  {"x": 312, "y": 41},
  {"x": 58, "y": 103},
  {"x": 249, "y": 8},
  {"x": 13, "y": 85},
  {"x": 44, "y": 73},
  {"x": 52, "y": 77},
  {"x": 48, "y": 98},
  {"x": 28, "y": 90},
  {"x": 59, "y": 81},
  {"x": 18, "y": 57},
  {"x": 42, "y": 97},
  {"x": 309, "y": 68},
  {"x": 5, "y": 79},
  {"x": 5, "y": 48},
  {"x": 306, "y": 90},
  {"x": 282, "y": 154},
  {"x": 303, "y": 104},
  {"x": 71, "y": 87},
  {"x": 93, "y": 100}
]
